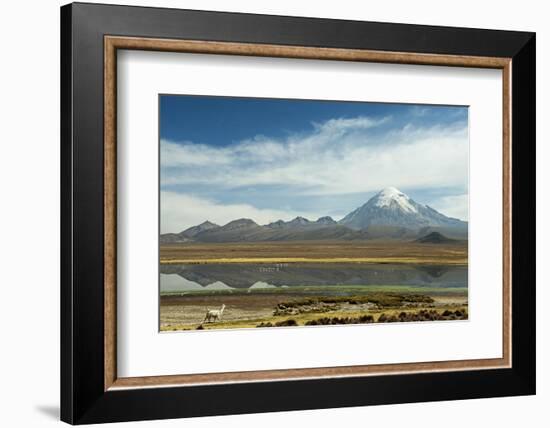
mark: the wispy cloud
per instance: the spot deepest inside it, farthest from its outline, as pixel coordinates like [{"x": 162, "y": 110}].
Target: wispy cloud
[{"x": 339, "y": 156}]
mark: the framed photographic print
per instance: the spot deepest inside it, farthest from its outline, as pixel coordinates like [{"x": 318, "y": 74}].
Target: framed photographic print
[{"x": 272, "y": 213}]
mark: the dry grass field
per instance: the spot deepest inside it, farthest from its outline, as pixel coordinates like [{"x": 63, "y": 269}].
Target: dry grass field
[{"x": 317, "y": 252}]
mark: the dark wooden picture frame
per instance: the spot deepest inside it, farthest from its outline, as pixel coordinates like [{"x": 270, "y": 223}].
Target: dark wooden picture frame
[{"x": 90, "y": 389}]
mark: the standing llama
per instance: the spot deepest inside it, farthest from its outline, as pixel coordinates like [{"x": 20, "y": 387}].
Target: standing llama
[{"x": 214, "y": 314}]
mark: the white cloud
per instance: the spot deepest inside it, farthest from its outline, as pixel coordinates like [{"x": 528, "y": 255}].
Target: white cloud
[
  {"x": 453, "y": 206},
  {"x": 179, "y": 211},
  {"x": 340, "y": 156},
  {"x": 341, "y": 125},
  {"x": 189, "y": 154}
]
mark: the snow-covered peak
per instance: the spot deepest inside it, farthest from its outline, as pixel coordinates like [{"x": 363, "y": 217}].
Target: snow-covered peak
[
  {"x": 386, "y": 197},
  {"x": 299, "y": 221},
  {"x": 391, "y": 207}
]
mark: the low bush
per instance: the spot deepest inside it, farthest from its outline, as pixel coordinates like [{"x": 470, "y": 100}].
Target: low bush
[
  {"x": 424, "y": 315},
  {"x": 364, "y": 319},
  {"x": 265, "y": 324},
  {"x": 285, "y": 323},
  {"x": 421, "y": 315}
]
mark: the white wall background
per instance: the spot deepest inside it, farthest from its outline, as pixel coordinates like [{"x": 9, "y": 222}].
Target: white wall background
[{"x": 29, "y": 213}]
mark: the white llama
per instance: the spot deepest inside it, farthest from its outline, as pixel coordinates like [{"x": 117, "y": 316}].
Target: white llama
[{"x": 214, "y": 314}]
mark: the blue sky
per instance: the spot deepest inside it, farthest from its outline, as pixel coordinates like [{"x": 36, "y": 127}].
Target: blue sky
[{"x": 225, "y": 157}]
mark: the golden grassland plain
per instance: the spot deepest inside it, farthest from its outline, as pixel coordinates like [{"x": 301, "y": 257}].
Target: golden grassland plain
[{"x": 316, "y": 252}]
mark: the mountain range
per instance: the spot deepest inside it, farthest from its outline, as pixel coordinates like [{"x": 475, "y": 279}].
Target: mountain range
[{"x": 388, "y": 214}]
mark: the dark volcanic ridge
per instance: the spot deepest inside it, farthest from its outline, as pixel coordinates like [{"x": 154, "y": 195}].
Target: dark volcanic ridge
[
  {"x": 389, "y": 214},
  {"x": 435, "y": 238}
]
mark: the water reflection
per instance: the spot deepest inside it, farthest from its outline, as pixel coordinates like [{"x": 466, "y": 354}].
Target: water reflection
[{"x": 196, "y": 277}]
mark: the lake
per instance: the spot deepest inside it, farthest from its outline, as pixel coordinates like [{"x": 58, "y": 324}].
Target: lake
[{"x": 204, "y": 277}]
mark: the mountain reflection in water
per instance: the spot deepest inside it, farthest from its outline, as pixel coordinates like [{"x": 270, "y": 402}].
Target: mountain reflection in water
[{"x": 196, "y": 277}]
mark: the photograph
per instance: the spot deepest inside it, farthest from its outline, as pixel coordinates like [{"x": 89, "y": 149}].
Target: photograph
[{"x": 290, "y": 212}]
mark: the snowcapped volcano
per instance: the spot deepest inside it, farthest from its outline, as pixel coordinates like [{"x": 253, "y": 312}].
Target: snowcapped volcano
[
  {"x": 391, "y": 196},
  {"x": 391, "y": 207}
]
